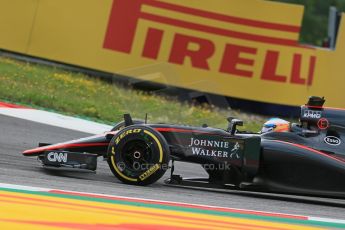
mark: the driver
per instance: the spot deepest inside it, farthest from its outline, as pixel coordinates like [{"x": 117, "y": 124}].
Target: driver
[{"x": 276, "y": 125}]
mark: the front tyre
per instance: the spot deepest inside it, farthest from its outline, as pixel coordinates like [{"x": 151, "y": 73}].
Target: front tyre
[{"x": 138, "y": 155}]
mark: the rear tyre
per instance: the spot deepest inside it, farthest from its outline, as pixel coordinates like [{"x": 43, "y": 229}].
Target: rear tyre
[{"x": 138, "y": 155}]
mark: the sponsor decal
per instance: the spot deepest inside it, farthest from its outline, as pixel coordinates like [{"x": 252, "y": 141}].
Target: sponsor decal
[
  {"x": 199, "y": 51},
  {"x": 57, "y": 157},
  {"x": 332, "y": 140},
  {"x": 312, "y": 114},
  {"x": 323, "y": 123},
  {"x": 122, "y": 135},
  {"x": 214, "y": 148},
  {"x": 234, "y": 151},
  {"x": 149, "y": 172}
]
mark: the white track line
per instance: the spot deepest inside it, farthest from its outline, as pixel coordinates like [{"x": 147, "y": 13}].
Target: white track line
[
  {"x": 22, "y": 187},
  {"x": 55, "y": 119}
]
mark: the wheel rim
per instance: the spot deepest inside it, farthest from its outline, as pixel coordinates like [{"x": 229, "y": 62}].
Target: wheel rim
[{"x": 137, "y": 155}]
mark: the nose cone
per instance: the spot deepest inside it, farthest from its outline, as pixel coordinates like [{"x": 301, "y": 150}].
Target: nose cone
[{"x": 86, "y": 144}]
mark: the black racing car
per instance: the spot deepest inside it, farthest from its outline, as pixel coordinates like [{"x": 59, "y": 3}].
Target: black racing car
[{"x": 308, "y": 159}]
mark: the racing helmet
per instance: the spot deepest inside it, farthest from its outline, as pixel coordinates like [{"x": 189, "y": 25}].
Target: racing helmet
[{"x": 275, "y": 125}]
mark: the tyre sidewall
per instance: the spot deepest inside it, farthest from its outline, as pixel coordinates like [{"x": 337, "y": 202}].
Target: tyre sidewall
[{"x": 158, "y": 157}]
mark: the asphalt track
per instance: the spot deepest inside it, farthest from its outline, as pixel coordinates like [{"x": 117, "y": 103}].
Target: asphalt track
[{"x": 17, "y": 135}]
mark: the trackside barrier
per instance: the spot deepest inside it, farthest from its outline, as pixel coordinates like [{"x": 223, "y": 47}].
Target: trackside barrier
[{"x": 236, "y": 48}]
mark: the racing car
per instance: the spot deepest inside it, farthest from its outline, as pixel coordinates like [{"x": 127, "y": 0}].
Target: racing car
[{"x": 308, "y": 158}]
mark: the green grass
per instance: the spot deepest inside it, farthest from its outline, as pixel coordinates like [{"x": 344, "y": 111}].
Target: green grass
[{"x": 77, "y": 94}]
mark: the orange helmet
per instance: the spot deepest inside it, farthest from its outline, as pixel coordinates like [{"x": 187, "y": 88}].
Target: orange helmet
[{"x": 275, "y": 125}]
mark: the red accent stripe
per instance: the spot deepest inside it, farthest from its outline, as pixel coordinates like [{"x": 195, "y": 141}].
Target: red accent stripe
[
  {"x": 177, "y": 204},
  {"x": 13, "y": 106},
  {"x": 312, "y": 150},
  {"x": 225, "y": 18},
  {"x": 61, "y": 146},
  {"x": 222, "y": 32},
  {"x": 177, "y": 130},
  {"x": 322, "y": 107}
]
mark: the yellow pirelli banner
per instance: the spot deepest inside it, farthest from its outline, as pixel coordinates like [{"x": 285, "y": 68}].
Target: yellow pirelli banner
[{"x": 240, "y": 48}]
